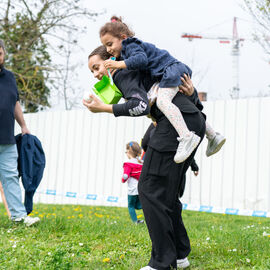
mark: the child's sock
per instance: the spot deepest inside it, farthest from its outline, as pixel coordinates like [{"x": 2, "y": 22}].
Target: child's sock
[
  {"x": 164, "y": 103},
  {"x": 210, "y": 132}
]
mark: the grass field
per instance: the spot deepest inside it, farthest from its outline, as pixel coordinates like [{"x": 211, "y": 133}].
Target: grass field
[{"x": 84, "y": 237}]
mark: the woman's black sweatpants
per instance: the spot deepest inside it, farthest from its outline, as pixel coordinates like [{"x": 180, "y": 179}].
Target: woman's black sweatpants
[{"x": 158, "y": 191}]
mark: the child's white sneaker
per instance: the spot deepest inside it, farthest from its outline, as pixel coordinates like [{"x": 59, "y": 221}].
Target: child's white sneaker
[
  {"x": 183, "y": 263},
  {"x": 148, "y": 268},
  {"x": 215, "y": 144},
  {"x": 186, "y": 146}
]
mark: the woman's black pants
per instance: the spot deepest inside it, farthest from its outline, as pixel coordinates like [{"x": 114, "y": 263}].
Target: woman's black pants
[{"x": 158, "y": 189}]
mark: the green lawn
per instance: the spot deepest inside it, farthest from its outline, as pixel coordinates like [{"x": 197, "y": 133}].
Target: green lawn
[{"x": 85, "y": 237}]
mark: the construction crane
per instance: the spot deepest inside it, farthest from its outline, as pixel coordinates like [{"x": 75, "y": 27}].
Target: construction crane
[{"x": 235, "y": 41}]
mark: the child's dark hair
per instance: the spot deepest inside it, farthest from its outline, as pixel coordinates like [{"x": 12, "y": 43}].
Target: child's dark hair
[
  {"x": 100, "y": 51},
  {"x": 135, "y": 148},
  {"x": 116, "y": 28}
]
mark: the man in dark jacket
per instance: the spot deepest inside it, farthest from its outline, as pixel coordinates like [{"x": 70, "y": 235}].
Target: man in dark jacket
[{"x": 10, "y": 109}]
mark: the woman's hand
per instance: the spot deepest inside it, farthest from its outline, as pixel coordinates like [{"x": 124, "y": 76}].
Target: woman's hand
[
  {"x": 95, "y": 105},
  {"x": 186, "y": 87}
]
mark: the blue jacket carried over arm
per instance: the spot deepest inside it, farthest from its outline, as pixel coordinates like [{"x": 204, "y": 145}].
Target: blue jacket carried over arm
[{"x": 31, "y": 164}]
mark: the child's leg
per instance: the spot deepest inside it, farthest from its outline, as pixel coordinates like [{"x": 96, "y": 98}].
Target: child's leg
[
  {"x": 188, "y": 140},
  {"x": 4, "y": 199},
  {"x": 210, "y": 132},
  {"x": 131, "y": 207},
  {"x": 215, "y": 140},
  {"x": 138, "y": 203},
  {"x": 164, "y": 103}
]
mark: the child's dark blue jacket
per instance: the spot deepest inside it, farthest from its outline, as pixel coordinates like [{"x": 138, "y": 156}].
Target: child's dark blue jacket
[
  {"x": 31, "y": 164},
  {"x": 139, "y": 55}
]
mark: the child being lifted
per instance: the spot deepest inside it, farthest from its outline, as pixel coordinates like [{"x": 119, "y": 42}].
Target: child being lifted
[{"x": 135, "y": 54}]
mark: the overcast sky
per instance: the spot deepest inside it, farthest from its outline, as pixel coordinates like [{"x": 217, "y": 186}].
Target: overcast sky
[{"x": 163, "y": 22}]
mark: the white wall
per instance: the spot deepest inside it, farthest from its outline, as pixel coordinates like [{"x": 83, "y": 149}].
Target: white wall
[{"x": 85, "y": 153}]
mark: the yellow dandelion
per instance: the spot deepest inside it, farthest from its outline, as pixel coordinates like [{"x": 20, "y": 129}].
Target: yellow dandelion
[
  {"x": 41, "y": 215},
  {"x": 139, "y": 216},
  {"x": 73, "y": 216},
  {"x": 106, "y": 260},
  {"x": 122, "y": 256},
  {"x": 98, "y": 215},
  {"x": 80, "y": 215},
  {"x": 53, "y": 214}
]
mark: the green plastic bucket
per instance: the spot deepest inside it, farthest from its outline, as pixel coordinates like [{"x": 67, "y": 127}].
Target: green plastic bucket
[{"x": 107, "y": 91}]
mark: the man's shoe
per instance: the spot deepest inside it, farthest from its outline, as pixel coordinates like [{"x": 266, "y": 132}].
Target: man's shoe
[
  {"x": 215, "y": 144},
  {"x": 186, "y": 146},
  {"x": 183, "y": 263},
  {"x": 29, "y": 221},
  {"x": 148, "y": 268}
]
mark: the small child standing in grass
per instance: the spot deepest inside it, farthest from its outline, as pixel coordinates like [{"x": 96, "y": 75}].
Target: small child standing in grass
[{"x": 131, "y": 175}]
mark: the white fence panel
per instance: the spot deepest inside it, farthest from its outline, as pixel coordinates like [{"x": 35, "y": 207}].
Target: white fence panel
[{"x": 85, "y": 153}]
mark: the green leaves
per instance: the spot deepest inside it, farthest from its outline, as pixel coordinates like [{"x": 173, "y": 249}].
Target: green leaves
[{"x": 26, "y": 27}]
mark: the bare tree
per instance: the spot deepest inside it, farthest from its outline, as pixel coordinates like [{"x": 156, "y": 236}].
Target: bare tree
[
  {"x": 69, "y": 91},
  {"x": 34, "y": 29},
  {"x": 260, "y": 10}
]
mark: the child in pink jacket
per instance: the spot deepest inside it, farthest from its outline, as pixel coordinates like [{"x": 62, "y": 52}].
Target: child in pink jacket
[{"x": 131, "y": 175}]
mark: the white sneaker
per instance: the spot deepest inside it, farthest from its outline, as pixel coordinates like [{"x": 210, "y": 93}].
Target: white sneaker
[
  {"x": 215, "y": 144},
  {"x": 183, "y": 263},
  {"x": 186, "y": 146},
  {"x": 148, "y": 268},
  {"x": 29, "y": 221}
]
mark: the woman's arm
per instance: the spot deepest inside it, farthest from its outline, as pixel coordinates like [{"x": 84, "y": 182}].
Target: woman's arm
[
  {"x": 130, "y": 84},
  {"x": 95, "y": 105},
  {"x": 133, "y": 107}
]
